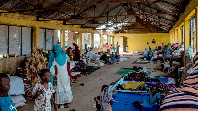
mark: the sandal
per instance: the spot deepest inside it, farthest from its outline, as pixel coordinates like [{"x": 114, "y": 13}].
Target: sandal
[
  {"x": 66, "y": 106},
  {"x": 62, "y": 106}
]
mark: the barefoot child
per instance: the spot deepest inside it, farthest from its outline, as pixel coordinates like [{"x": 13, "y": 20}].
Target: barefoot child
[
  {"x": 43, "y": 92},
  {"x": 6, "y": 104}
]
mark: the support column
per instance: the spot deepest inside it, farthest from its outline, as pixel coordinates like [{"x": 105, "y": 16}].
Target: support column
[
  {"x": 80, "y": 41},
  {"x": 179, "y": 36},
  {"x": 92, "y": 35},
  {"x": 101, "y": 40},
  {"x": 36, "y": 38},
  {"x": 176, "y": 35},
  {"x": 185, "y": 51},
  {"x": 109, "y": 39},
  {"x": 62, "y": 39}
]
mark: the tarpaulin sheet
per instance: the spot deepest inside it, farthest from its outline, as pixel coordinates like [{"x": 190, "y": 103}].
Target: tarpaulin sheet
[{"x": 124, "y": 102}]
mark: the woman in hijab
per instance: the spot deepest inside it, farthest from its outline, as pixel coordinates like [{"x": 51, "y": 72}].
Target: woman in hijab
[
  {"x": 63, "y": 91},
  {"x": 77, "y": 53},
  {"x": 104, "y": 57}
]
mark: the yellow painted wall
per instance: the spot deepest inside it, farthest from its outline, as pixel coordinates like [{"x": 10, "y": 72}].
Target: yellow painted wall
[
  {"x": 184, "y": 20},
  {"x": 196, "y": 13},
  {"x": 138, "y": 42},
  {"x": 176, "y": 35},
  {"x": 180, "y": 35}
]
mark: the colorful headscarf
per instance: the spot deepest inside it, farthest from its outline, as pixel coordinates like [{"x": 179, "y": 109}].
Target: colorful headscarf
[{"x": 60, "y": 56}]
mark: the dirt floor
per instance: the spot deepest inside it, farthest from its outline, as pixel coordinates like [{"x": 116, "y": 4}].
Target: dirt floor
[{"x": 83, "y": 96}]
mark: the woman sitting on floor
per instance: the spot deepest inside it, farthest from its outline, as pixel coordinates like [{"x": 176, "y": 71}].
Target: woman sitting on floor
[
  {"x": 149, "y": 102},
  {"x": 104, "y": 57},
  {"x": 104, "y": 101},
  {"x": 117, "y": 56}
]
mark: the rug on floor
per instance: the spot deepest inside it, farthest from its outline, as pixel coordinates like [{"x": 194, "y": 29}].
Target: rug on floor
[{"x": 124, "y": 71}]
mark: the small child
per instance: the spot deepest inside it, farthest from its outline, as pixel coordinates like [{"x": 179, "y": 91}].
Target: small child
[
  {"x": 6, "y": 104},
  {"x": 43, "y": 92}
]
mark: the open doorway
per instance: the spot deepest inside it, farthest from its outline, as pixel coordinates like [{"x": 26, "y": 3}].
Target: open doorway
[{"x": 123, "y": 44}]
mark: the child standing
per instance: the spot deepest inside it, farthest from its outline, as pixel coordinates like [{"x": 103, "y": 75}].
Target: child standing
[
  {"x": 6, "y": 104},
  {"x": 43, "y": 92}
]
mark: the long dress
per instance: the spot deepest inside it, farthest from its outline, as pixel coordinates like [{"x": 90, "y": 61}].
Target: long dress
[
  {"x": 63, "y": 91},
  {"x": 77, "y": 54}
]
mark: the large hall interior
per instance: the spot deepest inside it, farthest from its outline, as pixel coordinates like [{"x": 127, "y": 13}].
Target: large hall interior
[{"x": 99, "y": 55}]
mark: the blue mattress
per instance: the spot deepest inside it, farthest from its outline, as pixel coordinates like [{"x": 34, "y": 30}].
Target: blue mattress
[
  {"x": 124, "y": 102},
  {"x": 163, "y": 80}
]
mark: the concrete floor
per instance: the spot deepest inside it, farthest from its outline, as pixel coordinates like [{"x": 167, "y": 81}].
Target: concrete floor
[{"x": 83, "y": 96}]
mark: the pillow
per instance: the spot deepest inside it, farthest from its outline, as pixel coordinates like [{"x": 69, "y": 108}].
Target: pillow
[
  {"x": 19, "y": 104},
  {"x": 17, "y": 86},
  {"x": 18, "y": 99}
]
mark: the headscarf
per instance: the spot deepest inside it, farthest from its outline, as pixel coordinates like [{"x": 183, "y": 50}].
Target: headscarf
[{"x": 60, "y": 56}]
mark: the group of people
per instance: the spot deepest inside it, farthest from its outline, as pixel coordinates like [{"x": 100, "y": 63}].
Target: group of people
[
  {"x": 148, "y": 54},
  {"x": 113, "y": 58},
  {"x": 44, "y": 92},
  {"x": 112, "y": 48}
]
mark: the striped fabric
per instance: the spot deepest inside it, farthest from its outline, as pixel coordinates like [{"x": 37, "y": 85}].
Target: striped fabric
[{"x": 186, "y": 97}]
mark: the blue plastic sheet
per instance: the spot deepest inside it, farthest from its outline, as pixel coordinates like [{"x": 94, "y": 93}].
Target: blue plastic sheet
[
  {"x": 124, "y": 102},
  {"x": 163, "y": 80}
]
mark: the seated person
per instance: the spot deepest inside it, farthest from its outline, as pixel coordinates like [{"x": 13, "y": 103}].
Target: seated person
[
  {"x": 145, "y": 52},
  {"x": 148, "y": 57},
  {"x": 89, "y": 54},
  {"x": 154, "y": 97},
  {"x": 104, "y": 101},
  {"x": 104, "y": 57},
  {"x": 117, "y": 56},
  {"x": 112, "y": 57}
]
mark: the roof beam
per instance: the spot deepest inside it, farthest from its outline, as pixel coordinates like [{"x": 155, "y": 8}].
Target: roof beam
[
  {"x": 3, "y": 2},
  {"x": 128, "y": 15},
  {"x": 115, "y": 22},
  {"x": 71, "y": 6}
]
